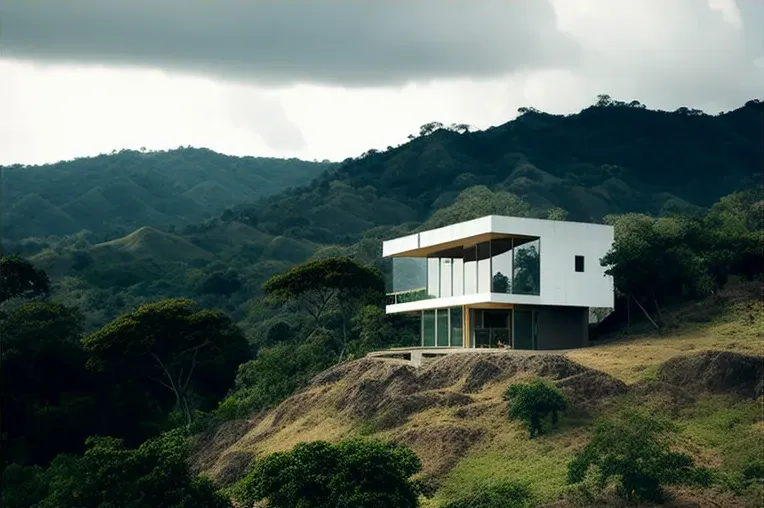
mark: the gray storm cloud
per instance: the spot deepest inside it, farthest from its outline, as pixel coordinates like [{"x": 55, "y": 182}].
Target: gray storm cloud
[{"x": 276, "y": 42}]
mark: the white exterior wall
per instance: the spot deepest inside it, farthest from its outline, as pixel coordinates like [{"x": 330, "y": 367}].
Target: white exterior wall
[{"x": 560, "y": 242}]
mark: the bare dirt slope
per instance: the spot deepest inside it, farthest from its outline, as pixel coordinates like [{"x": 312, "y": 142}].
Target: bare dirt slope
[{"x": 382, "y": 396}]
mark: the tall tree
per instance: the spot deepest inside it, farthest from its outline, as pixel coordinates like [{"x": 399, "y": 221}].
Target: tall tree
[
  {"x": 321, "y": 284},
  {"x": 174, "y": 344},
  {"x": 20, "y": 278}
]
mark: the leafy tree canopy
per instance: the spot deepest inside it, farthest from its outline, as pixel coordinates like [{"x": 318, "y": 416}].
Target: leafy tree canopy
[
  {"x": 332, "y": 276},
  {"x": 322, "y": 284},
  {"x": 174, "y": 344},
  {"x": 358, "y": 474},
  {"x": 155, "y": 475},
  {"x": 46, "y": 398},
  {"x": 20, "y": 278}
]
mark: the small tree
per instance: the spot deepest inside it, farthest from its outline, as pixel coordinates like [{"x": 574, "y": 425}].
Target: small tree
[
  {"x": 357, "y": 473},
  {"x": 633, "y": 453},
  {"x": 20, "y": 278},
  {"x": 172, "y": 343},
  {"x": 534, "y": 401}
]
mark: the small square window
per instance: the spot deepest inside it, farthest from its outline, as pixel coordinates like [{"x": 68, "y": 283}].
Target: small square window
[{"x": 579, "y": 263}]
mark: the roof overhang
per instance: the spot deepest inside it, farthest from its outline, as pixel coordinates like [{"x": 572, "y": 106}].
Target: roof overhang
[{"x": 434, "y": 241}]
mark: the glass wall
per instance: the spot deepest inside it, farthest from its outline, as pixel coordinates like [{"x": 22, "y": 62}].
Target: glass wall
[
  {"x": 442, "y": 327},
  {"x": 409, "y": 280},
  {"x": 458, "y": 276},
  {"x": 470, "y": 270},
  {"x": 502, "y": 265},
  {"x": 428, "y": 328},
  {"x": 484, "y": 267},
  {"x": 527, "y": 269},
  {"x": 457, "y": 328}
]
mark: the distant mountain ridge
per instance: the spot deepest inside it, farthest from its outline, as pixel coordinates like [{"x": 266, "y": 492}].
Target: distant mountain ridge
[
  {"x": 612, "y": 157},
  {"x": 120, "y": 192}
]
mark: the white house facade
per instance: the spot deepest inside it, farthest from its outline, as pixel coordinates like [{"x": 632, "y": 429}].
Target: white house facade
[{"x": 502, "y": 282}]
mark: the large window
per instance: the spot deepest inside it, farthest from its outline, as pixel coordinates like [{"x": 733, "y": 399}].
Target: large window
[
  {"x": 527, "y": 269},
  {"x": 442, "y": 327},
  {"x": 428, "y": 328},
  {"x": 484, "y": 267},
  {"x": 501, "y": 265},
  {"x": 457, "y": 328},
  {"x": 470, "y": 271},
  {"x": 458, "y": 276},
  {"x": 409, "y": 280}
]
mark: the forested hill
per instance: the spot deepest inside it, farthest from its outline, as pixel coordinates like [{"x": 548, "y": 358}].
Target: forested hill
[
  {"x": 612, "y": 157},
  {"x": 118, "y": 193}
]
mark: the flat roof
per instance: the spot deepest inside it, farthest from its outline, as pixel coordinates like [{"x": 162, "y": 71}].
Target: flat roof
[{"x": 479, "y": 230}]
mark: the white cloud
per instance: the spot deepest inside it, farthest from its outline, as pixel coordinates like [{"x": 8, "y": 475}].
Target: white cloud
[{"x": 665, "y": 53}]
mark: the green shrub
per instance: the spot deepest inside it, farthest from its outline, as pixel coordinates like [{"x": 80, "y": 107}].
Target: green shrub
[
  {"x": 632, "y": 452},
  {"x": 533, "y": 402},
  {"x": 503, "y": 494},
  {"x": 754, "y": 470}
]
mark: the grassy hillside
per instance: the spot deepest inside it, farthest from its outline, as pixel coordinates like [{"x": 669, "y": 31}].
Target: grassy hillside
[
  {"x": 117, "y": 193},
  {"x": 705, "y": 375}
]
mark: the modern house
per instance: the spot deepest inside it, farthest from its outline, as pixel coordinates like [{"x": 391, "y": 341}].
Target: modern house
[{"x": 502, "y": 282}]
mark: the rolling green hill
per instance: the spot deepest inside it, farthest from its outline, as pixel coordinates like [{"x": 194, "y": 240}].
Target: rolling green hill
[
  {"x": 117, "y": 193},
  {"x": 611, "y": 158}
]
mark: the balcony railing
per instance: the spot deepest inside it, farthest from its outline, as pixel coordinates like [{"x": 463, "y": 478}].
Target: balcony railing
[{"x": 412, "y": 295}]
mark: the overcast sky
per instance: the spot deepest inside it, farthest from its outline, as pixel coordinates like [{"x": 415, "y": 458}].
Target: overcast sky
[{"x": 331, "y": 79}]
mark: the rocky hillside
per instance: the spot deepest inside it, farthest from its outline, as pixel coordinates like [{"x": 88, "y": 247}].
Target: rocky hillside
[{"x": 706, "y": 378}]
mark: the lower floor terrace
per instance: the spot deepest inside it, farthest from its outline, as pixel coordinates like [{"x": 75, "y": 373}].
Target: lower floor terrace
[{"x": 504, "y": 326}]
